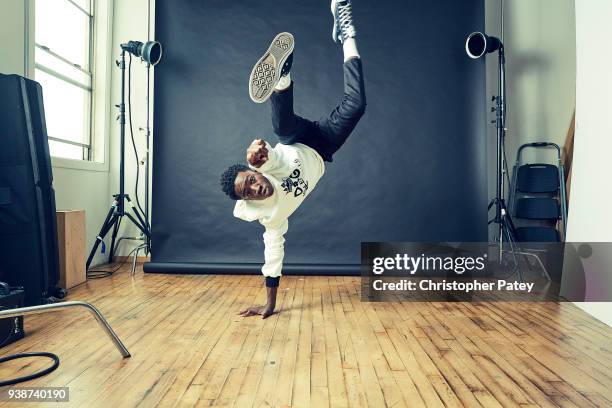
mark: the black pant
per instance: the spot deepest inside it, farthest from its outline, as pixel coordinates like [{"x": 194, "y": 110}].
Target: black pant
[{"x": 327, "y": 135}]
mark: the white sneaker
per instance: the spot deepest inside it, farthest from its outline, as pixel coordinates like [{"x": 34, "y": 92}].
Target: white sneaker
[
  {"x": 268, "y": 70},
  {"x": 343, "y": 20}
]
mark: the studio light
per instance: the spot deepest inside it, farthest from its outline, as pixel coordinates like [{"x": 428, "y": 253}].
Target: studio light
[
  {"x": 150, "y": 52},
  {"x": 479, "y": 44}
]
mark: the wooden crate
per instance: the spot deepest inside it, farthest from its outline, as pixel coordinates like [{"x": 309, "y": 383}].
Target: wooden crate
[{"x": 71, "y": 243}]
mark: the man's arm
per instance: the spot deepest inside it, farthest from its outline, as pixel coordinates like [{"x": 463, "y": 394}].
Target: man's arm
[
  {"x": 259, "y": 153},
  {"x": 274, "y": 252},
  {"x": 264, "y": 159}
]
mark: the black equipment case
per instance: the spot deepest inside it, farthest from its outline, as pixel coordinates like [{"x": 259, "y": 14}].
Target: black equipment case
[
  {"x": 11, "y": 329},
  {"x": 28, "y": 226}
]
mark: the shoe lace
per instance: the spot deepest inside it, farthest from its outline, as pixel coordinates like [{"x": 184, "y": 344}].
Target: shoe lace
[{"x": 345, "y": 18}]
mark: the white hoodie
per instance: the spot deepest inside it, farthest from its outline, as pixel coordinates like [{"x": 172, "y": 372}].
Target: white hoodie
[{"x": 294, "y": 171}]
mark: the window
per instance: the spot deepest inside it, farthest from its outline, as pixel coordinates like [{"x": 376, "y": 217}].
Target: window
[{"x": 64, "y": 67}]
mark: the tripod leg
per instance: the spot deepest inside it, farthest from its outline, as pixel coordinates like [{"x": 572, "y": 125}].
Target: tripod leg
[
  {"x": 511, "y": 243},
  {"x": 142, "y": 224},
  {"x": 520, "y": 249},
  {"x": 134, "y": 261},
  {"x": 103, "y": 231},
  {"x": 139, "y": 225},
  {"x": 111, "y": 252},
  {"x": 511, "y": 227}
]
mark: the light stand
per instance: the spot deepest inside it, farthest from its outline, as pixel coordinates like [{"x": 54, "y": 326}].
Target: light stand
[
  {"x": 146, "y": 245},
  {"x": 151, "y": 53},
  {"x": 148, "y": 152},
  {"x": 476, "y": 46}
]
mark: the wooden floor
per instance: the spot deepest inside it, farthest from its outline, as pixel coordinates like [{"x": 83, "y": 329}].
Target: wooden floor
[{"x": 325, "y": 348}]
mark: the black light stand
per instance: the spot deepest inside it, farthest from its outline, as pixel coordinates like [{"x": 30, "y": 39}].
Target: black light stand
[
  {"x": 476, "y": 46},
  {"x": 151, "y": 53}
]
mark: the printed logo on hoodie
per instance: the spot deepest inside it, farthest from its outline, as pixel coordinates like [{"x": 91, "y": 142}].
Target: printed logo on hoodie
[{"x": 294, "y": 183}]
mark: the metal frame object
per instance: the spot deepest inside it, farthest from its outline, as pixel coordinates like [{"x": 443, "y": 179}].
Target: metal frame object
[
  {"x": 145, "y": 247},
  {"x": 24, "y": 311},
  {"x": 562, "y": 192},
  {"x": 545, "y": 272},
  {"x": 560, "y": 172}
]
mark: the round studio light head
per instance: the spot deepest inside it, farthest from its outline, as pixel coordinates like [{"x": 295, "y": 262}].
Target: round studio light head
[
  {"x": 150, "y": 52},
  {"x": 478, "y": 44}
]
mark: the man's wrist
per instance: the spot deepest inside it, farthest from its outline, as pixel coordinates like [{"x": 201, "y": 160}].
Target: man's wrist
[{"x": 272, "y": 282}]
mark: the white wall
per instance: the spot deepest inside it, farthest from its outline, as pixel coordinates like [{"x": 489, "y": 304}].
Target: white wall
[
  {"x": 75, "y": 188},
  {"x": 12, "y": 37},
  {"x": 130, "y": 23},
  {"x": 539, "y": 41},
  {"x": 589, "y": 209}
]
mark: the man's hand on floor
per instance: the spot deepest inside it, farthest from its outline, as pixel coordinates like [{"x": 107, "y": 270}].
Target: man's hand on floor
[
  {"x": 257, "y": 153},
  {"x": 256, "y": 311}
]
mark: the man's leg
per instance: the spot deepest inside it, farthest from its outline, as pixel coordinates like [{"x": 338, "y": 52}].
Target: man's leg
[
  {"x": 271, "y": 78},
  {"x": 289, "y": 127},
  {"x": 337, "y": 127}
]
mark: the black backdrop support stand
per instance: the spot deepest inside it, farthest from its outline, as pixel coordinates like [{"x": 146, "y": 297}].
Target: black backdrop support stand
[{"x": 117, "y": 211}]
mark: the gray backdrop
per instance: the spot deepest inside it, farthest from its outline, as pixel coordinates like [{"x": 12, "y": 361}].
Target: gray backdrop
[{"x": 413, "y": 170}]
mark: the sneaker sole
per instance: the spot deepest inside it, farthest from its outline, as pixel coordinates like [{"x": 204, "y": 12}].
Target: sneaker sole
[{"x": 267, "y": 70}]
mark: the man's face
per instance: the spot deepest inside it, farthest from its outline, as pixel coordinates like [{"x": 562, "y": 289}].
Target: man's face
[{"x": 251, "y": 185}]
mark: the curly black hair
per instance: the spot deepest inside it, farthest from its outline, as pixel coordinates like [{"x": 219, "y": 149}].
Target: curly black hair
[{"x": 229, "y": 177}]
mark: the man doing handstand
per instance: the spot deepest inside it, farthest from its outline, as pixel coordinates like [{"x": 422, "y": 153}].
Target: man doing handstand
[{"x": 278, "y": 179}]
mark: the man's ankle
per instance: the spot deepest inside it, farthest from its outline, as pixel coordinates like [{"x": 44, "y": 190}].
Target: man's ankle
[
  {"x": 283, "y": 83},
  {"x": 349, "y": 47},
  {"x": 272, "y": 281}
]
